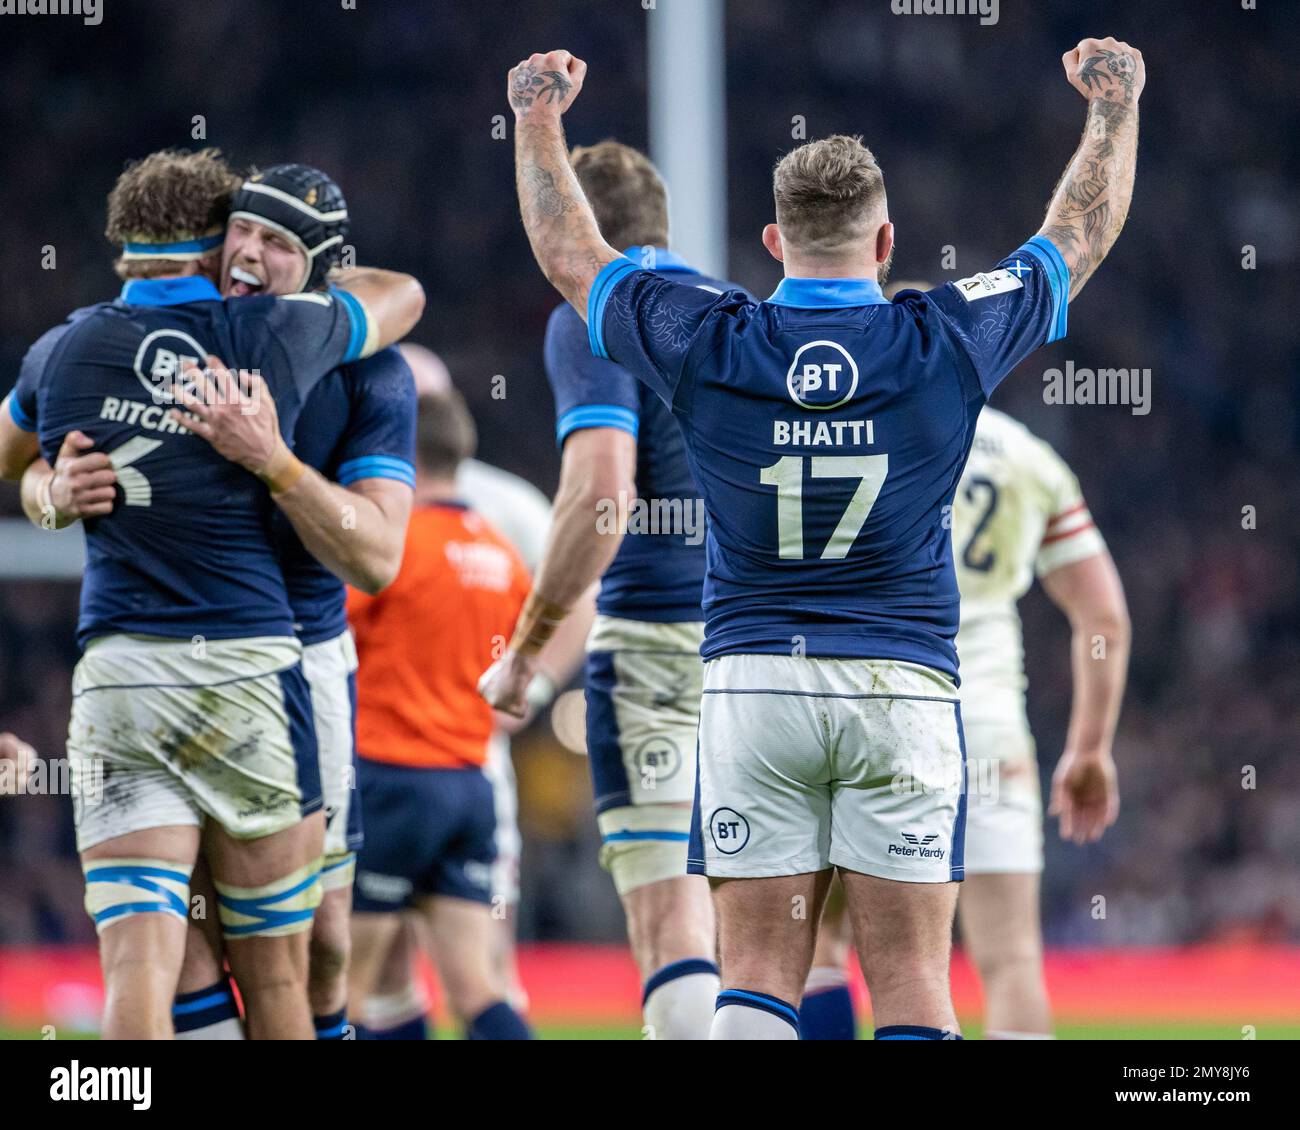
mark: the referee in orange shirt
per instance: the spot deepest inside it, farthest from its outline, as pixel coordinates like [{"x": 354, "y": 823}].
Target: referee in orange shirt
[{"x": 423, "y": 731}]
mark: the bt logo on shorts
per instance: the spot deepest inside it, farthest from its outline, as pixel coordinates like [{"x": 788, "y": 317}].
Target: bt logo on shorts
[
  {"x": 658, "y": 760},
  {"x": 917, "y": 846},
  {"x": 730, "y": 830}
]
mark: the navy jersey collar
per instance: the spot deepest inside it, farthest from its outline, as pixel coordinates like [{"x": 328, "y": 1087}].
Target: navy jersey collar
[
  {"x": 659, "y": 259},
  {"x": 170, "y": 292},
  {"x": 827, "y": 294}
]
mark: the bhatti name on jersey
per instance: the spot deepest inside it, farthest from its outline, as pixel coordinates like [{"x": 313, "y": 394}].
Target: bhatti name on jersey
[{"x": 823, "y": 433}]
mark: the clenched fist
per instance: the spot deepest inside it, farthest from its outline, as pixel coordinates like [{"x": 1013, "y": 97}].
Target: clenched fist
[
  {"x": 546, "y": 84},
  {"x": 1106, "y": 69}
]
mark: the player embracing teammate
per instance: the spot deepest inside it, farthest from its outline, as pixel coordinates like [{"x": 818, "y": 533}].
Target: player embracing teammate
[
  {"x": 827, "y": 429},
  {"x": 191, "y": 689},
  {"x": 344, "y": 520}
]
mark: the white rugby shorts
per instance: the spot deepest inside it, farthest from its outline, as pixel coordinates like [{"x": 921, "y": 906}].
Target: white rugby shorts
[{"x": 808, "y": 763}]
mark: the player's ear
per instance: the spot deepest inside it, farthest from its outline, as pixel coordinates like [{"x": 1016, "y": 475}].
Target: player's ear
[
  {"x": 772, "y": 241},
  {"x": 210, "y": 267},
  {"x": 884, "y": 242}
]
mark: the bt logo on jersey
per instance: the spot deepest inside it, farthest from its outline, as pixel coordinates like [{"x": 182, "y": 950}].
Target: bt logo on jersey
[
  {"x": 160, "y": 362},
  {"x": 822, "y": 375},
  {"x": 810, "y": 380}
]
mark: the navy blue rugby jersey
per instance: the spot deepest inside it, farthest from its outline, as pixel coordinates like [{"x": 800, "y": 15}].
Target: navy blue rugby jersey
[
  {"x": 188, "y": 549},
  {"x": 358, "y": 423},
  {"x": 658, "y": 572},
  {"x": 828, "y": 428}
]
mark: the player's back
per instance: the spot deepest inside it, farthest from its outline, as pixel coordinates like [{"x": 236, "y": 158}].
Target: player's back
[
  {"x": 827, "y": 428},
  {"x": 827, "y": 477},
  {"x": 187, "y": 550},
  {"x": 424, "y": 641},
  {"x": 1018, "y": 512}
]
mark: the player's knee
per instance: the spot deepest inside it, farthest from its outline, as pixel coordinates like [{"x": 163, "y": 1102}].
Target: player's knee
[
  {"x": 1017, "y": 960},
  {"x": 469, "y": 988},
  {"x": 672, "y": 922},
  {"x": 329, "y": 952},
  {"x": 906, "y": 956}
]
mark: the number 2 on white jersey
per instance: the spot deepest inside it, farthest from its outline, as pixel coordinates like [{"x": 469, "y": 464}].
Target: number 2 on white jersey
[{"x": 786, "y": 474}]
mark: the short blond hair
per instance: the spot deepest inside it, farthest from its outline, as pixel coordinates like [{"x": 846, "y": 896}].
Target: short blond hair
[
  {"x": 626, "y": 193},
  {"x": 829, "y": 193}
]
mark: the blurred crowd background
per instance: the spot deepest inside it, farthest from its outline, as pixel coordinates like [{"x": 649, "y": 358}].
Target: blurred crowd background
[{"x": 972, "y": 125}]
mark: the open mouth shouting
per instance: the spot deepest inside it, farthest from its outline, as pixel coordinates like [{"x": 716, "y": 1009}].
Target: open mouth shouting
[{"x": 243, "y": 282}]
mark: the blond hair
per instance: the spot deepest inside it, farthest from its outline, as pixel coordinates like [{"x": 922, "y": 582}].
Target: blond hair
[
  {"x": 829, "y": 193},
  {"x": 626, "y": 193}
]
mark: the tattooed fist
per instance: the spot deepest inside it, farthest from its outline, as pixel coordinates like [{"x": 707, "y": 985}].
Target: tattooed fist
[
  {"x": 1106, "y": 69},
  {"x": 546, "y": 84}
]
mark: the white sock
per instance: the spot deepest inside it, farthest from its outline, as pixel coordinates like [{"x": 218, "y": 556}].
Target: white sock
[
  {"x": 229, "y": 1029},
  {"x": 389, "y": 1010},
  {"x": 208, "y": 1014},
  {"x": 825, "y": 977},
  {"x": 743, "y": 1015},
  {"x": 679, "y": 1001},
  {"x": 1008, "y": 1035}
]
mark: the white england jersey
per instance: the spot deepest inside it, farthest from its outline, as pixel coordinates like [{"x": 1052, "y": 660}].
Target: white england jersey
[{"x": 1018, "y": 513}]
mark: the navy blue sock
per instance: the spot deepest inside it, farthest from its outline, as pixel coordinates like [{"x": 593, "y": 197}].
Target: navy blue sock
[
  {"x": 670, "y": 972},
  {"x": 332, "y": 1027},
  {"x": 413, "y": 1029},
  {"x": 913, "y": 1032},
  {"x": 205, "y": 1006},
  {"x": 827, "y": 1014},
  {"x": 498, "y": 1022}
]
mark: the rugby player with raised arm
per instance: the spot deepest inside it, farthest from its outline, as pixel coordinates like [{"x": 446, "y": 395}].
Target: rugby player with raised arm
[
  {"x": 827, "y": 428},
  {"x": 620, "y": 450}
]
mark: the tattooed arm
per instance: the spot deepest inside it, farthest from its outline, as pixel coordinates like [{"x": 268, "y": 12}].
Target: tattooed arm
[
  {"x": 1090, "y": 204},
  {"x": 560, "y": 224}
]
